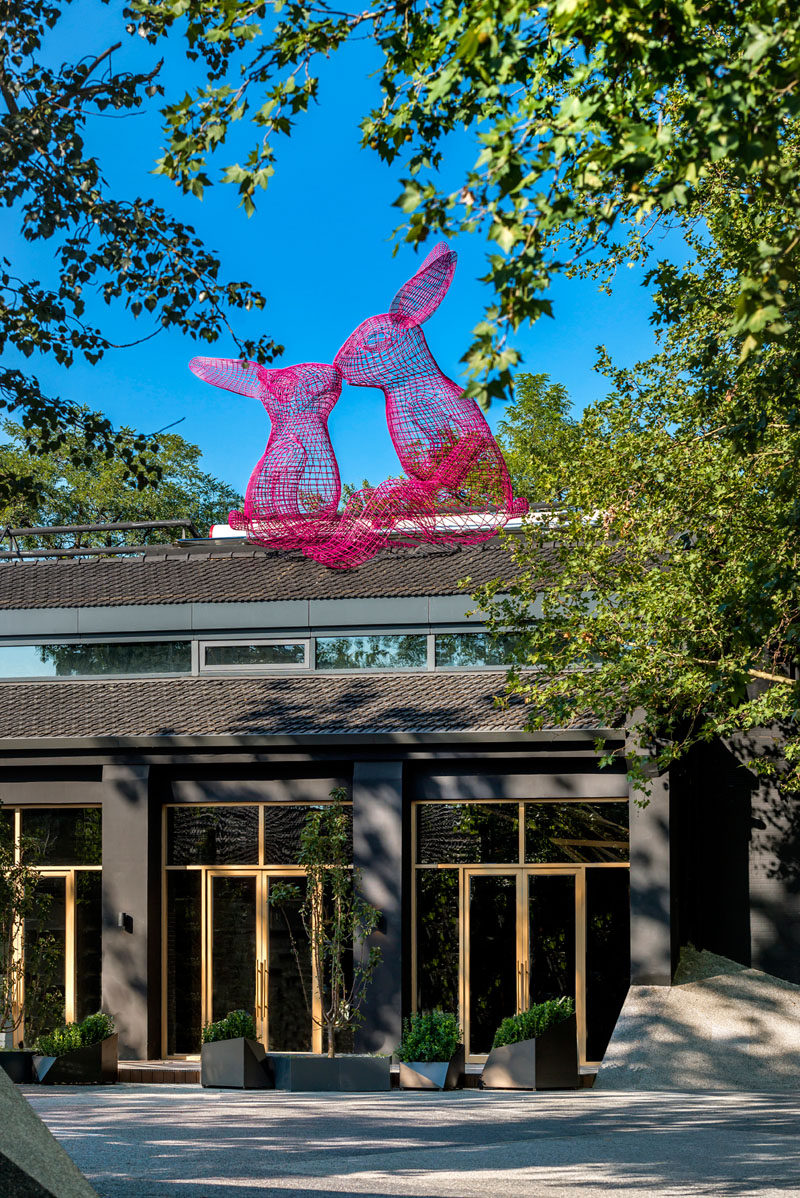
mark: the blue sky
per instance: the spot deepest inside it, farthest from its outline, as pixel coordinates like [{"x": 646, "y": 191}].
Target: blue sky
[{"x": 319, "y": 247}]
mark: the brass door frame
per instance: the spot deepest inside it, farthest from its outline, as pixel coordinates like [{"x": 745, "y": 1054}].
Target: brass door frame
[
  {"x": 522, "y": 874},
  {"x": 262, "y": 876},
  {"x": 66, "y": 872}
]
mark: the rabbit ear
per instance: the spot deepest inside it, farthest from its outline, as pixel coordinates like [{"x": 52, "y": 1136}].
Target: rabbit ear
[
  {"x": 421, "y": 295},
  {"x": 232, "y": 374}
]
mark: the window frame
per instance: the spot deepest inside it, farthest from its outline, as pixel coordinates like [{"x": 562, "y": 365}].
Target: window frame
[{"x": 294, "y": 667}]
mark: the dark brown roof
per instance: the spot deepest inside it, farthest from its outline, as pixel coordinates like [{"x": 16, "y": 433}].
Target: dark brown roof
[
  {"x": 314, "y": 704},
  {"x": 198, "y": 576}
]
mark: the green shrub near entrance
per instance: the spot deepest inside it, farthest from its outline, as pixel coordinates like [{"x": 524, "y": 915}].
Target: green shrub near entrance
[
  {"x": 533, "y": 1022},
  {"x": 61, "y": 1040},
  {"x": 429, "y": 1036},
  {"x": 234, "y": 1025}
]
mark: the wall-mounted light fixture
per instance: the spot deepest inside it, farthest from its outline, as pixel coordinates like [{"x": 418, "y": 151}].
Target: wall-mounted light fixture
[{"x": 125, "y": 921}]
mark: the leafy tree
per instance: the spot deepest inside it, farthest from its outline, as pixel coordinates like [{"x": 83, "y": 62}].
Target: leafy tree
[
  {"x": 598, "y": 126},
  {"x": 126, "y": 252},
  {"x": 76, "y": 483},
  {"x": 24, "y": 907},
  {"x": 336, "y": 920},
  {"x": 668, "y": 573},
  {"x": 536, "y": 436}
]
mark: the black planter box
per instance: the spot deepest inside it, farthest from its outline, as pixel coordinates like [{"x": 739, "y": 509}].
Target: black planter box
[
  {"x": 433, "y": 1075},
  {"x": 95, "y": 1065},
  {"x": 309, "y": 1072},
  {"x": 234, "y": 1064},
  {"x": 550, "y": 1062},
  {"x": 18, "y": 1064}
]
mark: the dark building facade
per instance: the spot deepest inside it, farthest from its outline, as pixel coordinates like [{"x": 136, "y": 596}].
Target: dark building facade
[{"x": 167, "y": 722}]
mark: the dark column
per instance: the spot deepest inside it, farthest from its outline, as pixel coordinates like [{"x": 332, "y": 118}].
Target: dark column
[
  {"x": 651, "y": 924},
  {"x": 378, "y": 854},
  {"x": 127, "y": 899}
]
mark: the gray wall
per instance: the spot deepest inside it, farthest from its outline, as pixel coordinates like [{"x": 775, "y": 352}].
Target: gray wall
[
  {"x": 652, "y": 938},
  {"x": 130, "y": 888},
  {"x": 378, "y": 855}
]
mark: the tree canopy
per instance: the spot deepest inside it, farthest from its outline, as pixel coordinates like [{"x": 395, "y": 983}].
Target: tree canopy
[
  {"x": 77, "y": 484},
  {"x": 596, "y": 126},
  {"x": 668, "y": 568},
  {"x": 107, "y": 249}
]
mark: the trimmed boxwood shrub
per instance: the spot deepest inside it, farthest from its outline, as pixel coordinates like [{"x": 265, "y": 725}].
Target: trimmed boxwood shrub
[
  {"x": 61, "y": 1040},
  {"x": 429, "y": 1036},
  {"x": 234, "y": 1025},
  {"x": 533, "y": 1022}
]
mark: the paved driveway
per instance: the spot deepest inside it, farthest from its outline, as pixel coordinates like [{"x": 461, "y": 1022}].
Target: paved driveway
[{"x": 159, "y": 1141}]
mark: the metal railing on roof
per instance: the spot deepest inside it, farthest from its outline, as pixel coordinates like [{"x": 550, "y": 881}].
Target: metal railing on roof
[{"x": 17, "y": 552}]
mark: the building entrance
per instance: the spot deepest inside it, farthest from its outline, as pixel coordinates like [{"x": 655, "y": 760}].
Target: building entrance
[
  {"x": 492, "y": 940},
  {"x": 225, "y": 947},
  {"x": 253, "y": 964}
]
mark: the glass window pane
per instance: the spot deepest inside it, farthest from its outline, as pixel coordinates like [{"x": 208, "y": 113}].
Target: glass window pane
[
  {"x": 464, "y": 649},
  {"x": 608, "y": 954},
  {"x": 467, "y": 833},
  {"x": 184, "y": 1011},
  {"x": 212, "y": 835},
  {"x": 7, "y": 828},
  {"x": 492, "y": 956},
  {"x": 233, "y": 945},
  {"x": 372, "y": 652},
  {"x": 64, "y": 661},
  {"x": 565, "y": 832},
  {"x": 64, "y": 836},
  {"x": 282, "y": 828},
  {"x": 292, "y": 653},
  {"x": 437, "y": 939},
  {"x": 289, "y": 993},
  {"x": 88, "y": 941},
  {"x": 44, "y": 953},
  {"x": 551, "y": 919}
]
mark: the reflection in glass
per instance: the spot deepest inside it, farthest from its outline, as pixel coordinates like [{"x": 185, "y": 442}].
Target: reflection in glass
[
  {"x": 551, "y": 914},
  {"x": 608, "y": 962},
  {"x": 290, "y": 653},
  {"x": 463, "y": 649},
  {"x": 233, "y": 945},
  {"x": 437, "y": 939},
  {"x": 63, "y": 661},
  {"x": 184, "y": 956},
  {"x": 88, "y": 941},
  {"x": 467, "y": 833},
  {"x": 288, "y": 990},
  {"x": 492, "y": 956},
  {"x": 212, "y": 835},
  {"x": 282, "y": 828},
  {"x": 64, "y": 836},
  {"x": 371, "y": 652},
  {"x": 565, "y": 832},
  {"x": 45, "y": 944}
]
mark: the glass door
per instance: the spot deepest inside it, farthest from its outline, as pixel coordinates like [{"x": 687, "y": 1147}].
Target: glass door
[
  {"x": 523, "y": 944},
  {"x": 257, "y": 957}
]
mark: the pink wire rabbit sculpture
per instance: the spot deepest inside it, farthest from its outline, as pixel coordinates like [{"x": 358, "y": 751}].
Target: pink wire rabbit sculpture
[
  {"x": 456, "y": 486},
  {"x": 293, "y": 493}
]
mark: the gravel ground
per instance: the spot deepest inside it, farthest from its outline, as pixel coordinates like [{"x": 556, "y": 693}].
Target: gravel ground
[{"x": 157, "y": 1141}]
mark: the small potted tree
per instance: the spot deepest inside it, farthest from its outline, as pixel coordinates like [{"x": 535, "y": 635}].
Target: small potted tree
[
  {"x": 231, "y": 1055},
  {"x": 23, "y": 904},
  {"x": 431, "y": 1053},
  {"x": 78, "y": 1053},
  {"x": 337, "y": 923},
  {"x": 535, "y": 1050}
]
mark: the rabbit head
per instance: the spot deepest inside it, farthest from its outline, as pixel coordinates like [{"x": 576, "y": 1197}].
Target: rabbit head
[
  {"x": 389, "y": 347},
  {"x": 312, "y": 386}
]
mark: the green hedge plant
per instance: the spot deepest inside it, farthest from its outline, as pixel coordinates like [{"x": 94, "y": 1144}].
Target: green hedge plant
[
  {"x": 429, "y": 1036},
  {"x": 533, "y": 1022},
  {"x": 234, "y": 1025},
  {"x": 61, "y": 1040}
]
